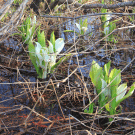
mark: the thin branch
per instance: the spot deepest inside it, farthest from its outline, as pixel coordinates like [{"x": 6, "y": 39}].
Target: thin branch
[
  {"x": 14, "y": 19},
  {"x": 106, "y": 6}
]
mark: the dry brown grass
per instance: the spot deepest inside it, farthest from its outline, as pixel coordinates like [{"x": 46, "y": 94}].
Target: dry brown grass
[{"x": 55, "y": 105}]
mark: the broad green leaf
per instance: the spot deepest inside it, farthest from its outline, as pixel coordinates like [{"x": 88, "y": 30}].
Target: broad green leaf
[
  {"x": 95, "y": 72},
  {"x": 121, "y": 91},
  {"x": 107, "y": 107},
  {"x": 41, "y": 39},
  {"x": 130, "y": 92},
  {"x": 103, "y": 2},
  {"x": 115, "y": 77},
  {"x": 98, "y": 81},
  {"x": 103, "y": 93},
  {"x": 105, "y": 89}
]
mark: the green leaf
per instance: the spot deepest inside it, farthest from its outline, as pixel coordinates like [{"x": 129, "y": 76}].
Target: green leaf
[
  {"x": 121, "y": 91},
  {"x": 41, "y": 39},
  {"x": 103, "y": 2},
  {"x": 85, "y": 24},
  {"x": 114, "y": 79},
  {"x": 95, "y": 72},
  {"x": 33, "y": 30},
  {"x": 68, "y": 31},
  {"x": 31, "y": 49},
  {"x": 90, "y": 108},
  {"x": 130, "y": 92},
  {"x": 81, "y": 23},
  {"x": 103, "y": 94},
  {"x": 71, "y": 31},
  {"x": 115, "y": 76},
  {"x": 106, "y": 71},
  {"x": 64, "y": 58},
  {"x": 52, "y": 40},
  {"x": 107, "y": 107},
  {"x": 105, "y": 89}
]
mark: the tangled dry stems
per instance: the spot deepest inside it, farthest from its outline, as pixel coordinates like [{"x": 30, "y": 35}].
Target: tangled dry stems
[{"x": 71, "y": 88}]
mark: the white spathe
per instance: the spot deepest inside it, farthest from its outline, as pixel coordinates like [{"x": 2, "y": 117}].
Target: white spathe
[
  {"x": 78, "y": 26},
  {"x": 59, "y": 44},
  {"x": 52, "y": 60},
  {"x": 37, "y": 51},
  {"x": 50, "y": 47},
  {"x": 105, "y": 89},
  {"x": 45, "y": 54},
  {"x": 34, "y": 20},
  {"x": 84, "y": 29},
  {"x": 42, "y": 54}
]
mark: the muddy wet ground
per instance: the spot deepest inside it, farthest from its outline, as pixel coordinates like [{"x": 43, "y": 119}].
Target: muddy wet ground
[{"x": 29, "y": 105}]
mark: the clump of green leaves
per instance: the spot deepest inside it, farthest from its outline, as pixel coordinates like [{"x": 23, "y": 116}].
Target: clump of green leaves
[
  {"x": 43, "y": 57},
  {"x": 27, "y": 30},
  {"x": 17, "y": 2},
  {"x": 108, "y": 25},
  {"x": 82, "y": 27},
  {"x": 107, "y": 84}
]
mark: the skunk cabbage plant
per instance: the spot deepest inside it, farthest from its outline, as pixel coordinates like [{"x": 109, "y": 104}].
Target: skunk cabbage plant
[
  {"x": 43, "y": 57},
  {"x": 108, "y": 25},
  {"x": 82, "y": 27},
  {"x": 107, "y": 85},
  {"x": 27, "y": 29}
]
